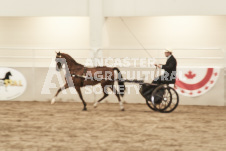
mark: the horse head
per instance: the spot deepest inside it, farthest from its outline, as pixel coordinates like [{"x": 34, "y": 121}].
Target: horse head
[
  {"x": 60, "y": 60},
  {"x": 67, "y": 60}
]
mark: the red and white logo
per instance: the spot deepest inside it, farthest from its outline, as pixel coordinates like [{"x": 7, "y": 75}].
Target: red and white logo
[{"x": 196, "y": 81}]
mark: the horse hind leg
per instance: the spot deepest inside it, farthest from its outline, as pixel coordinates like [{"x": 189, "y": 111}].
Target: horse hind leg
[
  {"x": 117, "y": 94},
  {"x": 105, "y": 95}
]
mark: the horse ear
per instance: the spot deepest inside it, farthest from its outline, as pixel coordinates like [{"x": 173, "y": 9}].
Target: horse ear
[{"x": 57, "y": 52}]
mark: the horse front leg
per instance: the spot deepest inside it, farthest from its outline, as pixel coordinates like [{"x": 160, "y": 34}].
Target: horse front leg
[
  {"x": 81, "y": 97},
  {"x": 58, "y": 91}
]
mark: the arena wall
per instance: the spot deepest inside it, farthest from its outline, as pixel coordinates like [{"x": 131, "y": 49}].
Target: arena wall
[
  {"x": 36, "y": 83},
  {"x": 28, "y": 44}
]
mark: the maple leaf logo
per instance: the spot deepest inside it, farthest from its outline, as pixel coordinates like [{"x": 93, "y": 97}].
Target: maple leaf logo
[{"x": 190, "y": 75}]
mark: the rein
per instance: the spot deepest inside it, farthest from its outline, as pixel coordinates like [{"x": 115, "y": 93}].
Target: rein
[{"x": 99, "y": 79}]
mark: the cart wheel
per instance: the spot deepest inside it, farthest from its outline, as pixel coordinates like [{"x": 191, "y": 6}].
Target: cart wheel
[
  {"x": 151, "y": 105},
  {"x": 174, "y": 101},
  {"x": 161, "y": 98}
]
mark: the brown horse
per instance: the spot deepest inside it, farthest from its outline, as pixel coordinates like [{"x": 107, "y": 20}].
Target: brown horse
[{"x": 77, "y": 76}]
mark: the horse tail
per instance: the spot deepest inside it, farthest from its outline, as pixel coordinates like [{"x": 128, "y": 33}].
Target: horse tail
[{"x": 120, "y": 82}]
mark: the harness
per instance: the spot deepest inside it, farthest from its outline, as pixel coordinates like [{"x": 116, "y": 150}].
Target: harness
[
  {"x": 84, "y": 74},
  {"x": 82, "y": 77},
  {"x": 84, "y": 71}
]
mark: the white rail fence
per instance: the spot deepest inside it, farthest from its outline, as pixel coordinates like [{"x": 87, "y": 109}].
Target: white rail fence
[{"x": 41, "y": 57}]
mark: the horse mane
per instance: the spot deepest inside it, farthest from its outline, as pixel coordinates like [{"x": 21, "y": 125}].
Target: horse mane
[{"x": 67, "y": 56}]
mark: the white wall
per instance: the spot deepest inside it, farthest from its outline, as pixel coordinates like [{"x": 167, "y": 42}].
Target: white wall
[
  {"x": 22, "y": 39},
  {"x": 112, "y": 7},
  {"x": 44, "y": 8},
  {"x": 163, "y": 7},
  {"x": 44, "y": 32},
  {"x": 166, "y": 31}
]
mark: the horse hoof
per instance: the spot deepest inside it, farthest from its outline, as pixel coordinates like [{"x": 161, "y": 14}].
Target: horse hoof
[
  {"x": 95, "y": 105},
  {"x": 122, "y": 109},
  {"x": 85, "y": 109},
  {"x": 53, "y": 101}
]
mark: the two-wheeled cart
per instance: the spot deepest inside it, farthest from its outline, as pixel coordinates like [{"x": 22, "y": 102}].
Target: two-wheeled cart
[{"x": 159, "y": 97}]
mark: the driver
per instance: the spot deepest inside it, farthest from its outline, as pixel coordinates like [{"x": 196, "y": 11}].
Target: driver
[{"x": 169, "y": 76}]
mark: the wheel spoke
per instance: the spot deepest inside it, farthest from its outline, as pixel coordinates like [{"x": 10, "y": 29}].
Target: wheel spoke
[{"x": 159, "y": 96}]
